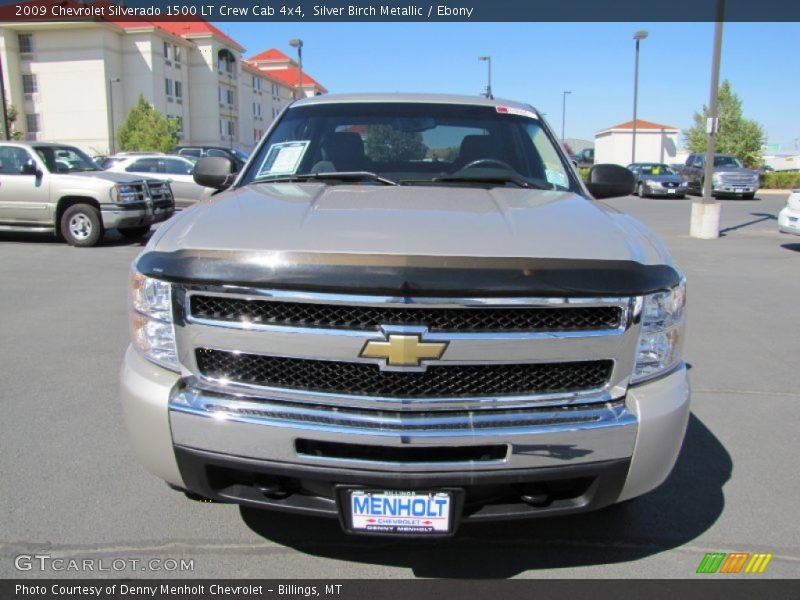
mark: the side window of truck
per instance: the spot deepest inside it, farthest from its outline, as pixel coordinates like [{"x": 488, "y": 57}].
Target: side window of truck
[{"x": 12, "y": 159}]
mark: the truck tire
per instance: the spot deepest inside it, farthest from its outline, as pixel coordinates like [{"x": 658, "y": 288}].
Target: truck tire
[
  {"x": 81, "y": 226},
  {"x": 640, "y": 190},
  {"x": 134, "y": 233},
  {"x": 748, "y": 196}
]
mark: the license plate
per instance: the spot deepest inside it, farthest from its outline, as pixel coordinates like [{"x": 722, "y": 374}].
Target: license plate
[
  {"x": 395, "y": 512},
  {"x": 671, "y": 191}
]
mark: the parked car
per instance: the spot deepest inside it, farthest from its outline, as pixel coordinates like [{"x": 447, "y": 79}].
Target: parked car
[
  {"x": 585, "y": 157},
  {"x": 55, "y": 187},
  {"x": 358, "y": 332},
  {"x": 238, "y": 157},
  {"x": 657, "y": 179},
  {"x": 789, "y": 217},
  {"x": 730, "y": 178},
  {"x": 174, "y": 169}
]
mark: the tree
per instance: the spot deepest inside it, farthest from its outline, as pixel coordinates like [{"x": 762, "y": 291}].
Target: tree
[
  {"x": 11, "y": 118},
  {"x": 737, "y": 135},
  {"x": 386, "y": 144},
  {"x": 146, "y": 129}
]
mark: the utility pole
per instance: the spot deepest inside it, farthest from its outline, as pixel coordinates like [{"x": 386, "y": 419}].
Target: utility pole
[
  {"x": 6, "y": 132},
  {"x": 706, "y": 213},
  {"x": 563, "y": 113}
]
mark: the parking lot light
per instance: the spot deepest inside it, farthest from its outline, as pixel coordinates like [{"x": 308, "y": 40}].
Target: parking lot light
[
  {"x": 488, "y": 60},
  {"x": 638, "y": 36},
  {"x": 298, "y": 43}
]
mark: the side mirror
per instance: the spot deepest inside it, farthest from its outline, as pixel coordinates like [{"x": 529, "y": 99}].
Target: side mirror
[
  {"x": 214, "y": 172},
  {"x": 29, "y": 169},
  {"x": 610, "y": 181}
]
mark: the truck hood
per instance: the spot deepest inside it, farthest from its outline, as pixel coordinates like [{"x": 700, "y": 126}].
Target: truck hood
[
  {"x": 409, "y": 220},
  {"x": 77, "y": 177},
  {"x": 736, "y": 170}
]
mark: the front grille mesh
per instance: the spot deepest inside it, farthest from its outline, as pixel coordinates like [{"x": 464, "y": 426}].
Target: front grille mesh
[
  {"x": 300, "y": 314},
  {"x": 363, "y": 379}
]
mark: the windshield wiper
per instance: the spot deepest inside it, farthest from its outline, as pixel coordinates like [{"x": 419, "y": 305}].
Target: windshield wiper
[
  {"x": 489, "y": 178},
  {"x": 331, "y": 175}
]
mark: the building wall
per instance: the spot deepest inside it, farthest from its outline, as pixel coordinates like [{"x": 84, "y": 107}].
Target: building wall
[
  {"x": 77, "y": 66},
  {"x": 651, "y": 146}
]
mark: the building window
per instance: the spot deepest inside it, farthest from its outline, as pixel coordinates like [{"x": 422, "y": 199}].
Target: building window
[
  {"x": 221, "y": 128},
  {"x": 229, "y": 96},
  {"x": 231, "y": 128},
  {"x": 166, "y": 49},
  {"x": 168, "y": 87},
  {"x": 25, "y": 42},
  {"x": 256, "y": 109},
  {"x": 177, "y": 53},
  {"x": 178, "y": 89},
  {"x": 29, "y": 85},
  {"x": 180, "y": 124},
  {"x": 32, "y": 123},
  {"x": 275, "y": 90},
  {"x": 220, "y": 95}
]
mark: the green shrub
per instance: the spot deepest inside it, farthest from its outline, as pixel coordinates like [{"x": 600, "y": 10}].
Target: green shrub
[{"x": 780, "y": 180}]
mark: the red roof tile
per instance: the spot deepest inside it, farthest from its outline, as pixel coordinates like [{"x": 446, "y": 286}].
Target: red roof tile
[
  {"x": 290, "y": 76},
  {"x": 640, "y": 124},
  {"x": 272, "y": 55}
]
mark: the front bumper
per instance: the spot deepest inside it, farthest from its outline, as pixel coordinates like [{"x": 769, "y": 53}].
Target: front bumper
[
  {"x": 116, "y": 217},
  {"x": 789, "y": 221},
  {"x": 733, "y": 190},
  {"x": 587, "y": 457},
  {"x": 665, "y": 192}
]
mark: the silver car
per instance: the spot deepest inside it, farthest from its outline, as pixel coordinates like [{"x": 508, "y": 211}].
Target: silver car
[
  {"x": 174, "y": 169},
  {"x": 657, "y": 179}
]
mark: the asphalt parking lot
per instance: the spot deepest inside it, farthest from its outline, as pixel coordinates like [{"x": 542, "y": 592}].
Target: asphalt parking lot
[{"x": 72, "y": 489}]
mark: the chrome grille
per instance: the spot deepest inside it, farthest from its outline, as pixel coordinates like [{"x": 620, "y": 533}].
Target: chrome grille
[
  {"x": 361, "y": 379},
  {"x": 371, "y": 318},
  {"x": 160, "y": 192}
]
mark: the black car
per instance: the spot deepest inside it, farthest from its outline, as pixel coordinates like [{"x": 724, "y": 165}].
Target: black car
[
  {"x": 657, "y": 179},
  {"x": 197, "y": 152}
]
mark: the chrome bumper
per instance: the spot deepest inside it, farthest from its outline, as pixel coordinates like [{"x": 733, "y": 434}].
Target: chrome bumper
[{"x": 263, "y": 430}]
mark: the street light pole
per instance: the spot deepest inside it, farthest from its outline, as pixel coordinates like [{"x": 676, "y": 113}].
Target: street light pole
[
  {"x": 298, "y": 43},
  {"x": 563, "y": 113},
  {"x": 638, "y": 36},
  {"x": 706, "y": 213},
  {"x": 113, "y": 144},
  {"x": 488, "y": 60}
]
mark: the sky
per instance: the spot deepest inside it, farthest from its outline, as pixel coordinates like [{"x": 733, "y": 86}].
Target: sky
[{"x": 536, "y": 62}]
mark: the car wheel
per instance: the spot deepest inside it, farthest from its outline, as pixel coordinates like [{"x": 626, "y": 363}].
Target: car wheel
[
  {"x": 81, "y": 226},
  {"x": 134, "y": 233},
  {"x": 640, "y": 190}
]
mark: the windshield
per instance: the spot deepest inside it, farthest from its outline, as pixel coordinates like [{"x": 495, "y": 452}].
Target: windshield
[
  {"x": 66, "y": 159},
  {"x": 727, "y": 161},
  {"x": 412, "y": 143},
  {"x": 656, "y": 169}
]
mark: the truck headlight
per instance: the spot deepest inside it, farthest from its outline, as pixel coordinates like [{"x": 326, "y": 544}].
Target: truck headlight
[
  {"x": 152, "y": 331},
  {"x": 123, "y": 194},
  {"x": 661, "y": 335}
]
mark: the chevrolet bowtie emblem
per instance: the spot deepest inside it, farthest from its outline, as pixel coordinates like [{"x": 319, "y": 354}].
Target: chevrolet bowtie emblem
[{"x": 404, "y": 350}]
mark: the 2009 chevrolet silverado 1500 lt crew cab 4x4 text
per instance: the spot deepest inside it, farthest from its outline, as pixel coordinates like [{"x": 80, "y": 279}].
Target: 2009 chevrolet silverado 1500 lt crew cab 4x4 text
[
  {"x": 58, "y": 188},
  {"x": 407, "y": 312}
]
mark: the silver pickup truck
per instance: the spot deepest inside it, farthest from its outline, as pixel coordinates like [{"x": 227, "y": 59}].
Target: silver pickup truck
[
  {"x": 58, "y": 188},
  {"x": 407, "y": 312}
]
